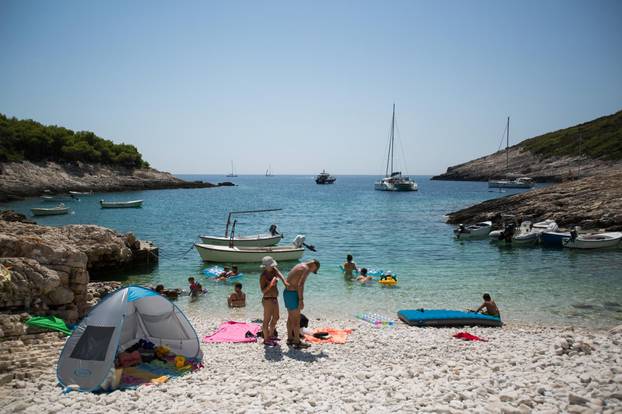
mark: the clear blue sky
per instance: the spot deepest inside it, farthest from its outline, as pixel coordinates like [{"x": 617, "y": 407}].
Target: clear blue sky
[{"x": 309, "y": 85}]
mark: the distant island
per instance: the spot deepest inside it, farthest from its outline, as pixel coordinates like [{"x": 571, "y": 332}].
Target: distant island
[
  {"x": 36, "y": 158},
  {"x": 579, "y": 151}
]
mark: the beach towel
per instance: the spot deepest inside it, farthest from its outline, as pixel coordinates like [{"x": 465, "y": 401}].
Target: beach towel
[
  {"x": 465, "y": 336},
  {"x": 232, "y": 331},
  {"x": 337, "y": 336}
]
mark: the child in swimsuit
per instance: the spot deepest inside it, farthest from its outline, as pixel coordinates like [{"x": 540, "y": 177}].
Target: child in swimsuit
[
  {"x": 489, "y": 307},
  {"x": 363, "y": 278},
  {"x": 238, "y": 298}
]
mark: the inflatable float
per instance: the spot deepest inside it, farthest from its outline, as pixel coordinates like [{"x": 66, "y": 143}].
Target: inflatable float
[
  {"x": 214, "y": 272},
  {"x": 388, "y": 280},
  {"x": 446, "y": 318}
]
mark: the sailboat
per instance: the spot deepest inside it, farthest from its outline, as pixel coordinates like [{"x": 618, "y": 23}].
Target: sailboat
[
  {"x": 232, "y": 173},
  {"x": 521, "y": 182},
  {"x": 394, "y": 180},
  {"x": 269, "y": 171}
]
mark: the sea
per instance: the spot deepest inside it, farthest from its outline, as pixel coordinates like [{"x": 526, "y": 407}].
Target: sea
[{"x": 404, "y": 232}]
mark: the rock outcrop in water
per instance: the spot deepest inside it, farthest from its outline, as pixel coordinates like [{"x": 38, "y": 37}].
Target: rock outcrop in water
[
  {"x": 45, "y": 270},
  {"x": 23, "y": 179},
  {"x": 593, "y": 203}
]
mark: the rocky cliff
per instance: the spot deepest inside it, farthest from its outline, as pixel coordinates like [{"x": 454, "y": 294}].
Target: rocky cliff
[
  {"x": 22, "y": 179},
  {"x": 579, "y": 151},
  {"x": 592, "y": 202},
  {"x": 45, "y": 270}
]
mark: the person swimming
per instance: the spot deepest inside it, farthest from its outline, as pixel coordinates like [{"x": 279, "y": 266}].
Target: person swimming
[
  {"x": 363, "y": 277},
  {"x": 349, "y": 267}
]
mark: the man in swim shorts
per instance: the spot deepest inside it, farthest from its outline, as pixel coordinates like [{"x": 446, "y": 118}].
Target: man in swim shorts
[
  {"x": 270, "y": 302},
  {"x": 293, "y": 296}
]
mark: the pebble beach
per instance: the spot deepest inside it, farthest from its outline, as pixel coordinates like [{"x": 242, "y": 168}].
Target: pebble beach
[{"x": 520, "y": 369}]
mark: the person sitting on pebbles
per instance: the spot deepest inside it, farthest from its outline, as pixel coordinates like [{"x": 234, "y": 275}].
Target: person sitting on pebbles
[
  {"x": 238, "y": 298},
  {"x": 363, "y": 277},
  {"x": 489, "y": 307}
]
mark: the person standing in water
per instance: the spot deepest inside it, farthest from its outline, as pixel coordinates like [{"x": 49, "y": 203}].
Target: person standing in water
[
  {"x": 293, "y": 295},
  {"x": 270, "y": 302},
  {"x": 349, "y": 267}
]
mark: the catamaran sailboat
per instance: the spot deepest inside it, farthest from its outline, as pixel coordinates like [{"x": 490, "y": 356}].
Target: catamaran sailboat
[
  {"x": 394, "y": 180},
  {"x": 232, "y": 173},
  {"x": 521, "y": 182}
]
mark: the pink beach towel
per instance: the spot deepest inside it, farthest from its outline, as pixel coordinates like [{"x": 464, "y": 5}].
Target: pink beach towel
[{"x": 232, "y": 331}]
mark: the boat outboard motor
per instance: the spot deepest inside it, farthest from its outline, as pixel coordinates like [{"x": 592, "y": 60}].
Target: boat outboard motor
[
  {"x": 273, "y": 230},
  {"x": 299, "y": 241},
  {"x": 573, "y": 234}
]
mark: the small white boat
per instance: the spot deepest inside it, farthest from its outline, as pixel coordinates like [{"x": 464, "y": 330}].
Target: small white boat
[
  {"x": 79, "y": 193},
  {"x": 257, "y": 240},
  {"x": 525, "y": 234},
  {"x": 522, "y": 182},
  {"x": 473, "y": 231},
  {"x": 58, "y": 197},
  {"x": 53, "y": 211},
  {"x": 226, "y": 254},
  {"x": 121, "y": 204},
  {"x": 593, "y": 241},
  {"x": 546, "y": 225}
]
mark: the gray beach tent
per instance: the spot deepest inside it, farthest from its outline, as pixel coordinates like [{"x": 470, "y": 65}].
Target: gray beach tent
[{"x": 116, "y": 323}]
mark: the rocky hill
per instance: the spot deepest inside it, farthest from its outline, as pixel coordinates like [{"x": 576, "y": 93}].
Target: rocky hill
[
  {"x": 26, "y": 178},
  {"x": 579, "y": 151},
  {"x": 593, "y": 202}
]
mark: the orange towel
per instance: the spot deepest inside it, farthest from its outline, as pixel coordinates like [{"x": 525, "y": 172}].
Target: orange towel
[{"x": 337, "y": 336}]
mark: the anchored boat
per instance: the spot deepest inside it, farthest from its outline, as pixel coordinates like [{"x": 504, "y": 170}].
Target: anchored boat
[
  {"x": 324, "y": 178},
  {"x": 121, "y": 204},
  {"x": 53, "y": 211},
  {"x": 522, "y": 182},
  {"x": 473, "y": 231},
  {"x": 237, "y": 254},
  {"x": 394, "y": 180},
  {"x": 592, "y": 241},
  {"x": 256, "y": 240}
]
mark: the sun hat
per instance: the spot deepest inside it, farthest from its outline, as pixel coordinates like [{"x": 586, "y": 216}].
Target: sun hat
[{"x": 268, "y": 261}]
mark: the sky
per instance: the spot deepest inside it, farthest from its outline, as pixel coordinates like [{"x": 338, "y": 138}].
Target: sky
[{"x": 306, "y": 86}]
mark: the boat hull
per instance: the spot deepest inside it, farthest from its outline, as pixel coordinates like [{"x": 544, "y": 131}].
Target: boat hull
[
  {"x": 121, "y": 204},
  {"x": 382, "y": 186},
  {"x": 508, "y": 184},
  {"x": 596, "y": 241},
  {"x": 225, "y": 254},
  {"x": 49, "y": 211},
  {"x": 480, "y": 230},
  {"x": 553, "y": 238},
  {"x": 259, "y": 240}
]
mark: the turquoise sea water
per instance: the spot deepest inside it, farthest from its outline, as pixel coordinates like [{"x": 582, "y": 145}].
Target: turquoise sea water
[{"x": 403, "y": 232}]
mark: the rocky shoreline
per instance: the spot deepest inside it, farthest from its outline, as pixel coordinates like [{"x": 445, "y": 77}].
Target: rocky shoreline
[
  {"x": 46, "y": 270},
  {"x": 524, "y": 163},
  {"x": 27, "y": 179},
  {"x": 593, "y": 203}
]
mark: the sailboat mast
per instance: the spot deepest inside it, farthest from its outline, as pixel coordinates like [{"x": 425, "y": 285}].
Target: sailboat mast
[
  {"x": 392, "y": 136},
  {"x": 507, "y": 147}
]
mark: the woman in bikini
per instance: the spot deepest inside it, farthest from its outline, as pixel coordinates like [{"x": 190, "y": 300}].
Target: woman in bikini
[{"x": 270, "y": 302}]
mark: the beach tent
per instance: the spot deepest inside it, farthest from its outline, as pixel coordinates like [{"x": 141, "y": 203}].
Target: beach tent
[{"x": 116, "y": 323}]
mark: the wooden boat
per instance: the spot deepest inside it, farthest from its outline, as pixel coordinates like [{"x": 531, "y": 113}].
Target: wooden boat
[
  {"x": 255, "y": 240},
  {"x": 473, "y": 231},
  {"x": 121, "y": 204},
  {"x": 522, "y": 182},
  {"x": 593, "y": 241},
  {"x": 226, "y": 254},
  {"x": 53, "y": 211},
  {"x": 324, "y": 178},
  {"x": 394, "y": 180}
]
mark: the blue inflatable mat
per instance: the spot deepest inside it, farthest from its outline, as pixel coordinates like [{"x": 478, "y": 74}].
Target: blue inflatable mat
[
  {"x": 213, "y": 272},
  {"x": 446, "y": 318}
]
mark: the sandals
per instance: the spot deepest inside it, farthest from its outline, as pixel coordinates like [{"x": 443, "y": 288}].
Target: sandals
[{"x": 301, "y": 345}]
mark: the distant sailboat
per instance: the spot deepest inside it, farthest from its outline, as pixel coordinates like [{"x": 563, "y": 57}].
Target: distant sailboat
[
  {"x": 232, "y": 173},
  {"x": 394, "y": 180},
  {"x": 269, "y": 171},
  {"x": 522, "y": 182}
]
